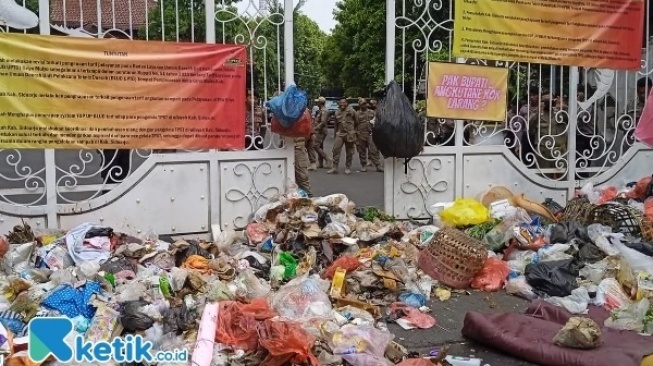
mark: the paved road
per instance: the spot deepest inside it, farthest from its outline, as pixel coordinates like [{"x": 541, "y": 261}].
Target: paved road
[{"x": 366, "y": 189}]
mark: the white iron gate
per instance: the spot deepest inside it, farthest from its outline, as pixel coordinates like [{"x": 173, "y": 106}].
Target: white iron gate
[
  {"x": 465, "y": 159},
  {"x": 168, "y": 192}
]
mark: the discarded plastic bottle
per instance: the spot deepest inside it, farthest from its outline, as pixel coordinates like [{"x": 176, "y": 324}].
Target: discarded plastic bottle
[{"x": 463, "y": 361}]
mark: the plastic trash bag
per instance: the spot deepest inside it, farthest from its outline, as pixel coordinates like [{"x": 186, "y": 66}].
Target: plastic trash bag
[
  {"x": 601, "y": 236},
  {"x": 413, "y": 299},
  {"x": 361, "y": 345},
  {"x": 492, "y": 275},
  {"x": 555, "y": 278},
  {"x": 238, "y": 323},
  {"x": 501, "y": 234},
  {"x": 302, "y": 299},
  {"x": 465, "y": 212},
  {"x": 642, "y": 247},
  {"x": 247, "y": 285},
  {"x": 18, "y": 258},
  {"x": 518, "y": 286},
  {"x": 555, "y": 252},
  {"x": 636, "y": 260},
  {"x": 409, "y": 317},
  {"x": 590, "y": 253},
  {"x": 84, "y": 249},
  {"x": 348, "y": 263},
  {"x": 563, "y": 233},
  {"x": 608, "y": 194},
  {"x": 133, "y": 318},
  {"x": 639, "y": 191},
  {"x": 286, "y": 343},
  {"x": 397, "y": 131},
  {"x": 630, "y": 317},
  {"x": 576, "y": 303},
  {"x": 597, "y": 271},
  {"x": 289, "y": 264},
  {"x": 289, "y": 106},
  {"x": 302, "y": 128}
]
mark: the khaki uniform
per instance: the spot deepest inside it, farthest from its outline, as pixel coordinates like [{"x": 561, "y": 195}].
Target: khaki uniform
[
  {"x": 321, "y": 127},
  {"x": 364, "y": 143},
  {"x": 301, "y": 165},
  {"x": 312, "y": 158},
  {"x": 346, "y": 125},
  {"x": 373, "y": 149}
]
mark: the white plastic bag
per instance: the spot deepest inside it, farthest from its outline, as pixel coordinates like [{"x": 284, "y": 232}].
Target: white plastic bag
[
  {"x": 91, "y": 250},
  {"x": 555, "y": 252},
  {"x": 333, "y": 201},
  {"x": 611, "y": 295},
  {"x": 592, "y": 194},
  {"x": 629, "y": 318},
  {"x": 638, "y": 262},
  {"x": 576, "y": 303},
  {"x": 519, "y": 259},
  {"x": 519, "y": 287},
  {"x": 303, "y": 298},
  {"x": 601, "y": 236}
]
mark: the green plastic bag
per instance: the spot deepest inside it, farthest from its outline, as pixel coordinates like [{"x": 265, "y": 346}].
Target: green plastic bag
[
  {"x": 465, "y": 212},
  {"x": 164, "y": 285},
  {"x": 290, "y": 263},
  {"x": 110, "y": 278}
]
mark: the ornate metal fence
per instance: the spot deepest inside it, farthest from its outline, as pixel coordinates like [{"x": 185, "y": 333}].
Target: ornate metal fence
[
  {"x": 539, "y": 151},
  {"x": 170, "y": 192}
]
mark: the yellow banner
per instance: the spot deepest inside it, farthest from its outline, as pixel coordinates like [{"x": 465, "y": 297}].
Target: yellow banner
[
  {"x": 597, "y": 33},
  {"x": 458, "y": 91},
  {"x": 64, "y": 92}
]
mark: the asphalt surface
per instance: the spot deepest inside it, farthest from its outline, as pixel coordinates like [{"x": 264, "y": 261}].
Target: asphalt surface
[{"x": 366, "y": 189}]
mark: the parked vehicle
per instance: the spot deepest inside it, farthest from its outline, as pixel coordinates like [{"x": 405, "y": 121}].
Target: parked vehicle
[{"x": 332, "y": 106}]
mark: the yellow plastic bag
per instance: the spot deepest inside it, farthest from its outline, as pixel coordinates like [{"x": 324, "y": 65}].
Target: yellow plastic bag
[{"x": 465, "y": 212}]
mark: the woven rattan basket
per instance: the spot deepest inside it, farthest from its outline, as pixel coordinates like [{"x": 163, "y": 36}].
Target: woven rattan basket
[
  {"x": 578, "y": 210},
  {"x": 647, "y": 229},
  {"x": 495, "y": 194},
  {"x": 621, "y": 218},
  {"x": 453, "y": 258}
]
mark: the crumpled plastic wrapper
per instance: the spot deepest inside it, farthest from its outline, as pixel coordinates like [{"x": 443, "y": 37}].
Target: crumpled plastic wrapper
[
  {"x": 18, "y": 258},
  {"x": 579, "y": 333},
  {"x": 133, "y": 318}
]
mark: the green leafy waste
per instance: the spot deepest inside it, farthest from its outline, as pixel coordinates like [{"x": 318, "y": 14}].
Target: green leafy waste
[
  {"x": 372, "y": 213},
  {"x": 648, "y": 318},
  {"x": 479, "y": 231}
]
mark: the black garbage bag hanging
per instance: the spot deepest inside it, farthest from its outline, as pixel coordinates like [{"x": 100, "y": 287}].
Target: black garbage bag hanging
[{"x": 397, "y": 131}]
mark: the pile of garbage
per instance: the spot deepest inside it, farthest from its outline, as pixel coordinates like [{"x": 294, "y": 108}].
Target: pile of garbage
[
  {"x": 316, "y": 281},
  {"x": 598, "y": 250}
]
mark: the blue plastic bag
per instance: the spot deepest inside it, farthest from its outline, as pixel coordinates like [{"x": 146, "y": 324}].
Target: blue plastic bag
[
  {"x": 413, "y": 299},
  {"x": 289, "y": 106}
]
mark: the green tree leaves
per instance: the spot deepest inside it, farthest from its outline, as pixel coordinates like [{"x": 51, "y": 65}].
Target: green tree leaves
[
  {"x": 355, "y": 54},
  {"x": 184, "y": 20}
]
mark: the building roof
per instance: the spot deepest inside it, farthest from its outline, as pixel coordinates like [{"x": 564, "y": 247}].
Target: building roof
[{"x": 76, "y": 17}]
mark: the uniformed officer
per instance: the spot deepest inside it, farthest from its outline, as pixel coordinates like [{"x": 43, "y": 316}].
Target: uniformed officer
[
  {"x": 364, "y": 137},
  {"x": 345, "y": 135},
  {"x": 320, "y": 129}
]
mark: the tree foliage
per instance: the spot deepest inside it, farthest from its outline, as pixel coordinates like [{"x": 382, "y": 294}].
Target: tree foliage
[
  {"x": 262, "y": 34},
  {"x": 354, "y": 57}
]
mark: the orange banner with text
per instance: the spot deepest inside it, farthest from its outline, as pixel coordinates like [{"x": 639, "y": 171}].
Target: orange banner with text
[
  {"x": 599, "y": 33},
  {"x": 65, "y": 92},
  {"x": 459, "y": 91}
]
